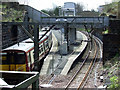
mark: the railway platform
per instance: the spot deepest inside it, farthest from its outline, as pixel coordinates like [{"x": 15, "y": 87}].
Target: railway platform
[{"x": 61, "y": 64}]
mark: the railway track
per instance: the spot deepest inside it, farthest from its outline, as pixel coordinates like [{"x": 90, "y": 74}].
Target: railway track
[
  {"x": 94, "y": 70},
  {"x": 79, "y": 78},
  {"x": 50, "y": 78},
  {"x": 81, "y": 74}
]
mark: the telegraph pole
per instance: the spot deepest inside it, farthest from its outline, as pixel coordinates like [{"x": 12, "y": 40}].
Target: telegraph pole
[{"x": 36, "y": 47}]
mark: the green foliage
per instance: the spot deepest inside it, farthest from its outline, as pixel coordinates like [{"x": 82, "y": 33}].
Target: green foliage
[
  {"x": 79, "y": 8},
  {"x": 115, "y": 0},
  {"x": 52, "y": 12},
  {"x": 80, "y": 29},
  {"x": 111, "y": 8},
  {"x": 45, "y": 11},
  {"x": 83, "y": 29},
  {"x": 56, "y": 11},
  {"x": 115, "y": 60},
  {"x": 9, "y": 14},
  {"x": 105, "y": 32},
  {"x": 114, "y": 82},
  {"x": 0, "y": 6}
]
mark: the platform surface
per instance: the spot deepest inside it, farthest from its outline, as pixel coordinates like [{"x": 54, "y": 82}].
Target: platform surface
[{"x": 54, "y": 58}]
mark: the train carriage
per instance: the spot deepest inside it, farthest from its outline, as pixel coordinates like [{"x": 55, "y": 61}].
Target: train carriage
[{"x": 20, "y": 57}]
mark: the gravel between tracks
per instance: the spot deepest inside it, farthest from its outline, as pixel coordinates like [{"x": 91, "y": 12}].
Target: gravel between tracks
[{"x": 61, "y": 80}]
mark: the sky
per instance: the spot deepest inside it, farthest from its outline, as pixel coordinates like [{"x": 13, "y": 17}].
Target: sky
[{"x": 47, "y": 4}]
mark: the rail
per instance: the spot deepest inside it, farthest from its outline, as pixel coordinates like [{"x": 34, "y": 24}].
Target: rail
[{"x": 92, "y": 64}]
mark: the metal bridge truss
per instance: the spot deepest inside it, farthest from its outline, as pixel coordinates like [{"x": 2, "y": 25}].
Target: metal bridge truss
[{"x": 44, "y": 19}]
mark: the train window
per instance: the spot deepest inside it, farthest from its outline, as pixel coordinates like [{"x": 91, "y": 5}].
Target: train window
[
  {"x": 19, "y": 58},
  {"x": 32, "y": 56},
  {"x": 29, "y": 57},
  {"x": 39, "y": 51},
  {"x": 13, "y": 58},
  {"x": 47, "y": 44},
  {"x": 41, "y": 48},
  {"x": 4, "y": 56}
]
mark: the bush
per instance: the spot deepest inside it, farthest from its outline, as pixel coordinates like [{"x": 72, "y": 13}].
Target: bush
[{"x": 114, "y": 83}]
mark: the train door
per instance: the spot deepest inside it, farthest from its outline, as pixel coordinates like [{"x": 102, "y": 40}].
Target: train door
[
  {"x": 17, "y": 61},
  {"x": 8, "y": 61},
  {"x": 30, "y": 60},
  {"x": 13, "y": 61},
  {"x": 4, "y": 65}
]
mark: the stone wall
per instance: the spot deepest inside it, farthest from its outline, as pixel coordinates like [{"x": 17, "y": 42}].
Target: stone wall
[
  {"x": 98, "y": 33},
  {"x": 114, "y": 26},
  {"x": 111, "y": 45},
  {"x": 111, "y": 41},
  {"x": 7, "y": 39}
]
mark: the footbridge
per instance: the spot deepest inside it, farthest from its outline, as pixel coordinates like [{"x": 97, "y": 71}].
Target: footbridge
[
  {"x": 45, "y": 19},
  {"x": 68, "y": 23}
]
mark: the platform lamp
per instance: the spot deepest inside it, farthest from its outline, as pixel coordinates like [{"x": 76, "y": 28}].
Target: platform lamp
[{"x": 59, "y": 10}]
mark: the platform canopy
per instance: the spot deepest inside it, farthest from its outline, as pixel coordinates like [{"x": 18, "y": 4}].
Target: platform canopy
[{"x": 17, "y": 79}]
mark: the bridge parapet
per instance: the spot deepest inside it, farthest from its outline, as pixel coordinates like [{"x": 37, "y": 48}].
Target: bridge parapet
[
  {"x": 45, "y": 19},
  {"x": 97, "y": 22}
]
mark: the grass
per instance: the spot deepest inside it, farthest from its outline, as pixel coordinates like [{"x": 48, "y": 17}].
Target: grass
[{"x": 112, "y": 67}]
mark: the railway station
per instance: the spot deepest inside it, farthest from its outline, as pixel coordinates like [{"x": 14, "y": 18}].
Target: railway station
[{"x": 42, "y": 51}]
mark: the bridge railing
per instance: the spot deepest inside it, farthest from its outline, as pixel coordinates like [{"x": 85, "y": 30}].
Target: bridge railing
[
  {"x": 35, "y": 14},
  {"x": 43, "y": 18}
]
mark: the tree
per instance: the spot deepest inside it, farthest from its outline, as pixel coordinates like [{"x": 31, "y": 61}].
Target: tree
[
  {"x": 79, "y": 8},
  {"x": 45, "y": 11},
  {"x": 115, "y": 0},
  {"x": 56, "y": 11},
  {"x": 52, "y": 12}
]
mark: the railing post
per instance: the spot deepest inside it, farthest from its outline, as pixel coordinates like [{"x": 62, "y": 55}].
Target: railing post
[{"x": 35, "y": 85}]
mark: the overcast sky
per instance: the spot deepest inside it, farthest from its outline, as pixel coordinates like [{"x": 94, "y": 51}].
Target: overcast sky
[{"x": 47, "y": 4}]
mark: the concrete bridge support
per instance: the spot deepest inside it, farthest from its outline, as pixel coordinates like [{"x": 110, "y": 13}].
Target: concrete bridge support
[
  {"x": 72, "y": 35},
  {"x": 69, "y": 38},
  {"x": 64, "y": 47}
]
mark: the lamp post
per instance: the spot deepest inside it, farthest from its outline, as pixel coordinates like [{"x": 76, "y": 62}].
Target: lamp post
[{"x": 59, "y": 10}]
